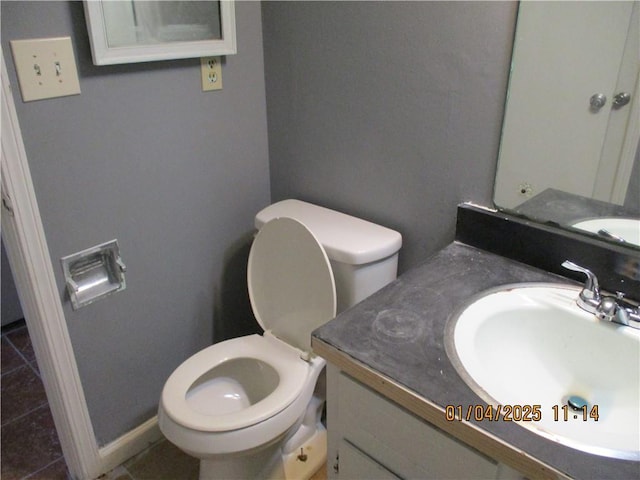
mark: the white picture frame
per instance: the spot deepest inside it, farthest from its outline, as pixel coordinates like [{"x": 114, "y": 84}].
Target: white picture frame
[{"x": 103, "y": 54}]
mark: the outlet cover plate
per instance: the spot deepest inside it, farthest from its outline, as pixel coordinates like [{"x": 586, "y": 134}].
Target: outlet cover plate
[
  {"x": 46, "y": 68},
  {"x": 211, "y": 69}
]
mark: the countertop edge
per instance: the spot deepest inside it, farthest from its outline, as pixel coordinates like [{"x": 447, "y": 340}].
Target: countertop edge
[{"x": 467, "y": 432}]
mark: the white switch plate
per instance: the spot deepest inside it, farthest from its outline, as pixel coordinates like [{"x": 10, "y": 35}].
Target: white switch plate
[
  {"x": 46, "y": 68},
  {"x": 211, "y": 70}
]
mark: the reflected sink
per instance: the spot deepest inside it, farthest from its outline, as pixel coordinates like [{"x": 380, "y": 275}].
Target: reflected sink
[
  {"x": 530, "y": 345},
  {"x": 628, "y": 229}
]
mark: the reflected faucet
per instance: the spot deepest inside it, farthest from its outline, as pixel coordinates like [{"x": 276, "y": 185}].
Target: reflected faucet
[
  {"x": 603, "y": 232},
  {"x": 605, "y": 307}
]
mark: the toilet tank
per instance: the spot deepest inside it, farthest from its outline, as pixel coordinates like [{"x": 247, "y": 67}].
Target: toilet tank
[{"x": 363, "y": 255}]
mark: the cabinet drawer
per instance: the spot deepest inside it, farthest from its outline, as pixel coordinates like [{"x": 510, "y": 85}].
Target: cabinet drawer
[
  {"x": 401, "y": 442},
  {"x": 356, "y": 464}
]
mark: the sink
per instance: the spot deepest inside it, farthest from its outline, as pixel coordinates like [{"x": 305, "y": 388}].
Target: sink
[
  {"x": 627, "y": 229},
  {"x": 530, "y": 347}
]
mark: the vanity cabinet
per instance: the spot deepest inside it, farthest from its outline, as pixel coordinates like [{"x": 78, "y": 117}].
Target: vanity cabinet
[{"x": 371, "y": 437}]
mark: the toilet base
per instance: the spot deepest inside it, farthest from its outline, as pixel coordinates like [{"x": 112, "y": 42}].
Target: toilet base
[
  {"x": 263, "y": 464},
  {"x": 315, "y": 450},
  {"x": 270, "y": 463},
  {"x": 305, "y": 452}
]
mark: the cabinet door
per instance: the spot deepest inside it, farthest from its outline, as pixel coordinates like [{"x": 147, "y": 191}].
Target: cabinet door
[
  {"x": 401, "y": 442},
  {"x": 356, "y": 464}
]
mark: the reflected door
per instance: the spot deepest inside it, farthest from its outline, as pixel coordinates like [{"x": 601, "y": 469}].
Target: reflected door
[{"x": 564, "y": 53}]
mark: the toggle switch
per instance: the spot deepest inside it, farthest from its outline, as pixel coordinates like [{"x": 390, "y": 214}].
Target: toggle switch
[{"x": 46, "y": 68}]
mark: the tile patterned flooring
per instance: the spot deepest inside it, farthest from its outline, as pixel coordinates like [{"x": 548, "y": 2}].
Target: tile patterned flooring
[{"x": 30, "y": 449}]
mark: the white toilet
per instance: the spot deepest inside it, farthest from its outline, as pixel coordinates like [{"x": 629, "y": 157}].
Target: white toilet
[{"x": 250, "y": 407}]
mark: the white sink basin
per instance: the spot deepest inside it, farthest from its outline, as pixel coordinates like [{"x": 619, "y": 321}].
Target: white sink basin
[
  {"x": 627, "y": 229},
  {"x": 530, "y": 345}
]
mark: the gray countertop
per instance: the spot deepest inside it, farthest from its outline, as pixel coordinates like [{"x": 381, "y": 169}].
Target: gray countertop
[
  {"x": 566, "y": 208},
  {"x": 399, "y": 333}
]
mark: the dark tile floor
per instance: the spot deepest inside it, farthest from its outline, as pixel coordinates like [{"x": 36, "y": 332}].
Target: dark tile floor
[{"x": 30, "y": 447}]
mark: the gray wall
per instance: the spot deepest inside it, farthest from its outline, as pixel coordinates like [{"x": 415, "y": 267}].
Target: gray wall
[
  {"x": 11, "y": 310},
  {"x": 175, "y": 174},
  {"x": 390, "y": 111}
]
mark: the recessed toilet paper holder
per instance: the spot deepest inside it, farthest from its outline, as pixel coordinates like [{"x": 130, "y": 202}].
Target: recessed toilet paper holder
[{"x": 93, "y": 273}]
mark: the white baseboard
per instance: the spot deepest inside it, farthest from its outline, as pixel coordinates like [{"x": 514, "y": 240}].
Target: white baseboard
[{"x": 129, "y": 444}]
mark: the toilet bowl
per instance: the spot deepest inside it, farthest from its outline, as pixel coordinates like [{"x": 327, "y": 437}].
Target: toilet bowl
[
  {"x": 236, "y": 404},
  {"x": 237, "y": 395},
  {"x": 251, "y": 407}
]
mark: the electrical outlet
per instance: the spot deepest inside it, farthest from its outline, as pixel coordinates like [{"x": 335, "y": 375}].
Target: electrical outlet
[
  {"x": 46, "y": 68},
  {"x": 211, "y": 69}
]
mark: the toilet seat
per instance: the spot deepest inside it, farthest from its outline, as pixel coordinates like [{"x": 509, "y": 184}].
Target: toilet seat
[
  {"x": 286, "y": 361},
  {"x": 290, "y": 282}
]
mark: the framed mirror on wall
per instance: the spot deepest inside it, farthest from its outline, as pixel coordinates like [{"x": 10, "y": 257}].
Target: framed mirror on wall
[
  {"x": 569, "y": 153},
  {"x": 131, "y": 31}
]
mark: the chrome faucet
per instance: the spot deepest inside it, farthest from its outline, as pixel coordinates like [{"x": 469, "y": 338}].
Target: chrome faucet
[{"x": 605, "y": 307}]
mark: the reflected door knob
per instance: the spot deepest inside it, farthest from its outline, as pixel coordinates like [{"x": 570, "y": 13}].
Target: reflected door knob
[
  {"x": 597, "y": 101},
  {"x": 621, "y": 99}
]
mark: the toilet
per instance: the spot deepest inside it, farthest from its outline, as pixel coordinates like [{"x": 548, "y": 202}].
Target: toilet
[{"x": 251, "y": 407}]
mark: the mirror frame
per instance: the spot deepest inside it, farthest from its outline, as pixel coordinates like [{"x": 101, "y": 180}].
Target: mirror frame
[{"x": 104, "y": 55}]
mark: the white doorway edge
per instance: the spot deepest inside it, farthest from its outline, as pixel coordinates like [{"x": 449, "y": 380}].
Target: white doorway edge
[{"x": 28, "y": 254}]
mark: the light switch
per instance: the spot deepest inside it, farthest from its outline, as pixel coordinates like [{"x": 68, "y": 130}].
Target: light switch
[{"x": 46, "y": 68}]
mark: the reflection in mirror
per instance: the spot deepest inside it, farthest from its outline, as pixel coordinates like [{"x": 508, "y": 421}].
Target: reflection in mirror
[
  {"x": 149, "y": 22},
  {"x": 571, "y": 134}
]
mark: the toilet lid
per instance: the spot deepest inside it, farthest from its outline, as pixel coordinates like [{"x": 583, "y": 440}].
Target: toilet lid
[{"x": 290, "y": 281}]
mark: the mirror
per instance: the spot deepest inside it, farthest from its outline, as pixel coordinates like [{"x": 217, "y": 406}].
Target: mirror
[
  {"x": 569, "y": 151},
  {"x": 145, "y": 30}
]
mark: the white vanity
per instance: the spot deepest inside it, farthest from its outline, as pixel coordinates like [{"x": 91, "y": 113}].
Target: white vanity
[{"x": 375, "y": 438}]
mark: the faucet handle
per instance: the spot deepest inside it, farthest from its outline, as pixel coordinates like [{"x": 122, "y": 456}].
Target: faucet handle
[
  {"x": 612, "y": 309},
  {"x": 591, "y": 290}
]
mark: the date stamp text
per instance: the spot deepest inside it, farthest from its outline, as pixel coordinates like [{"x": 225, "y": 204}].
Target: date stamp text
[{"x": 519, "y": 413}]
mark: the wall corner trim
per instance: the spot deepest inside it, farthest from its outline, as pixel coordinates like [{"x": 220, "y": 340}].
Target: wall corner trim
[
  {"x": 28, "y": 254},
  {"x": 26, "y": 246}
]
